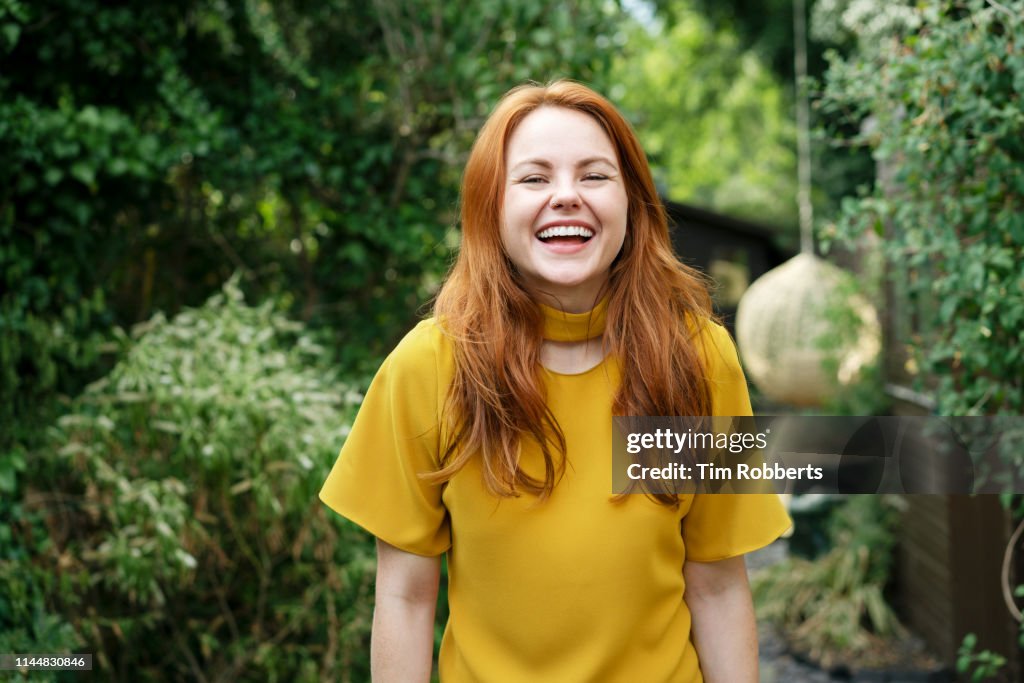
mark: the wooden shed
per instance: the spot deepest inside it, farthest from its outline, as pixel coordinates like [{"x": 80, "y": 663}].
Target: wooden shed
[
  {"x": 950, "y": 547},
  {"x": 733, "y": 251},
  {"x": 948, "y": 565}
]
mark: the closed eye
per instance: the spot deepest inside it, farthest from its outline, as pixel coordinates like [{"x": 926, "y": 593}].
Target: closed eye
[{"x": 595, "y": 176}]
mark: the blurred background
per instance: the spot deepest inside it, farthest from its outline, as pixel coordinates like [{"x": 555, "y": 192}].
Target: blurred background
[{"x": 218, "y": 216}]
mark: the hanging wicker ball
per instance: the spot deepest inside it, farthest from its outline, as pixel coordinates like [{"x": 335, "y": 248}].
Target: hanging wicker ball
[{"x": 781, "y": 320}]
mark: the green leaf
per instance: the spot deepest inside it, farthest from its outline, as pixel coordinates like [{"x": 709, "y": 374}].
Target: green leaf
[
  {"x": 11, "y": 33},
  {"x": 83, "y": 172},
  {"x": 8, "y": 480}
]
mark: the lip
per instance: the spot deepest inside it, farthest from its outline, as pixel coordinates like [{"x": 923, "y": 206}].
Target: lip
[{"x": 564, "y": 248}]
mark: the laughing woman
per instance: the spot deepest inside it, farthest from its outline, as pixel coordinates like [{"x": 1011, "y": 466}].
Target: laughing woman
[{"x": 486, "y": 433}]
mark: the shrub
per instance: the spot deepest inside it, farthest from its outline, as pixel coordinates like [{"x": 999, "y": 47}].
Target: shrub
[
  {"x": 833, "y": 609},
  {"x": 180, "y": 499},
  {"x": 948, "y": 130}
]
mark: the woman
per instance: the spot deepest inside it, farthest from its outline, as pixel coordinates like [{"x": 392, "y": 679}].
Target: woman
[{"x": 486, "y": 433}]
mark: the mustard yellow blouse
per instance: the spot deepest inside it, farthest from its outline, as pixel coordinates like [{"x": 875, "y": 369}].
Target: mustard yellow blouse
[{"x": 578, "y": 588}]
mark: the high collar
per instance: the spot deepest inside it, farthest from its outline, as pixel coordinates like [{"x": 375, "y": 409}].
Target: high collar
[{"x": 574, "y": 327}]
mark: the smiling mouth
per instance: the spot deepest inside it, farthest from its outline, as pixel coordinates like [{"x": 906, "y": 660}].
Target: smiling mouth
[{"x": 565, "y": 234}]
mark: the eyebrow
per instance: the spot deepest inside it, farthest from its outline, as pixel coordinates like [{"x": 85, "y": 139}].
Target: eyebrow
[{"x": 544, "y": 163}]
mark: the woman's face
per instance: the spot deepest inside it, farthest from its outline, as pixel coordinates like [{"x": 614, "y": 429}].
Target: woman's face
[{"x": 564, "y": 216}]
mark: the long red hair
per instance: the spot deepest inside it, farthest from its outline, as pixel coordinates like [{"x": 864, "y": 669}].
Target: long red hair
[{"x": 656, "y": 306}]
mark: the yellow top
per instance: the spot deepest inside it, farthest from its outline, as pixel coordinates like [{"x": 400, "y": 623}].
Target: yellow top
[{"x": 578, "y": 588}]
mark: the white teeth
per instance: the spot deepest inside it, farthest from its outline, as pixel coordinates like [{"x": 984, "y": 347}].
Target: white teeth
[{"x": 565, "y": 231}]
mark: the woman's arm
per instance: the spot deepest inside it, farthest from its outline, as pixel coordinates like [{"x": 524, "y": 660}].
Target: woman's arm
[
  {"x": 402, "y": 643},
  {"x": 724, "y": 630}
]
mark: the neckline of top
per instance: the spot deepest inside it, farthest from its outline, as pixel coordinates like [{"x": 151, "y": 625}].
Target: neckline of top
[{"x": 574, "y": 327}]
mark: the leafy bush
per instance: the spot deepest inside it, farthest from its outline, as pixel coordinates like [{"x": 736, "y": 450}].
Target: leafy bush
[
  {"x": 939, "y": 85},
  {"x": 833, "y": 609},
  {"x": 179, "y": 496},
  {"x": 26, "y": 625},
  {"x": 151, "y": 149},
  {"x": 981, "y": 666},
  {"x": 949, "y": 133}
]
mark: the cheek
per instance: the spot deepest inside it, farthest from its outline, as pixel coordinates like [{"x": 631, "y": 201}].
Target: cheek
[
  {"x": 503, "y": 235},
  {"x": 618, "y": 218},
  {"x": 623, "y": 236},
  {"x": 613, "y": 205},
  {"x": 507, "y": 214},
  {"x": 512, "y": 245},
  {"x": 517, "y": 217},
  {"x": 504, "y": 218},
  {"x": 506, "y": 229}
]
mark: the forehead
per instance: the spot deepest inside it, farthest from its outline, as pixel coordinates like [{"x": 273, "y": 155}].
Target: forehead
[{"x": 558, "y": 132}]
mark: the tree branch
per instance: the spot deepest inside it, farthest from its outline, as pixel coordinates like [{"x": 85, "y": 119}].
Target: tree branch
[{"x": 1001, "y": 8}]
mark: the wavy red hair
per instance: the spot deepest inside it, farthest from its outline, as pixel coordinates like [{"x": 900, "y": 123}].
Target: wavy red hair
[{"x": 655, "y": 307}]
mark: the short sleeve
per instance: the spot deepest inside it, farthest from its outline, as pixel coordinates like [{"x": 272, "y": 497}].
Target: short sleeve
[
  {"x": 729, "y": 395},
  {"x": 394, "y": 438},
  {"x": 722, "y": 525}
]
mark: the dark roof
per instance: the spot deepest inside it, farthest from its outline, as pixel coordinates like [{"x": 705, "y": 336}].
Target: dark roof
[{"x": 686, "y": 213}]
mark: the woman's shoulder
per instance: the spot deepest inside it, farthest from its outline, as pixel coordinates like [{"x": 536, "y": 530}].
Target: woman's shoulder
[
  {"x": 707, "y": 328},
  {"x": 423, "y": 339},
  {"x": 724, "y": 374},
  {"x": 716, "y": 345},
  {"x": 425, "y": 349}
]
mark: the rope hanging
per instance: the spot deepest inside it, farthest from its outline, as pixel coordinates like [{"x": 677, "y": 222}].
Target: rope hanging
[
  {"x": 784, "y": 315},
  {"x": 803, "y": 130}
]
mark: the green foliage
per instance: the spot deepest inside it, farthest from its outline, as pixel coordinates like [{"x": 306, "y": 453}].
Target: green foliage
[
  {"x": 948, "y": 130},
  {"x": 833, "y": 608},
  {"x": 712, "y": 89},
  {"x": 26, "y": 625},
  {"x": 982, "y": 665},
  {"x": 79, "y": 161},
  {"x": 151, "y": 150},
  {"x": 180, "y": 499},
  {"x": 853, "y": 323},
  {"x": 865, "y": 23},
  {"x": 713, "y": 119},
  {"x": 764, "y": 25}
]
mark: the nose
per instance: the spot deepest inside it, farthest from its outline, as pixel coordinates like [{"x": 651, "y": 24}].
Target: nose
[{"x": 565, "y": 196}]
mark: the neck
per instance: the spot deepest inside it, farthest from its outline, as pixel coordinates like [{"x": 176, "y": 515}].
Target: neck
[
  {"x": 571, "y": 358},
  {"x": 578, "y": 299}
]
